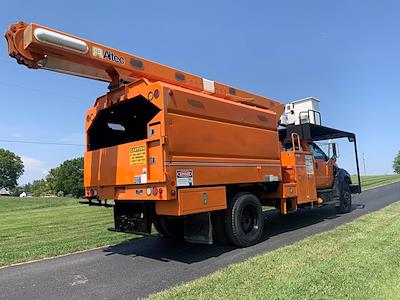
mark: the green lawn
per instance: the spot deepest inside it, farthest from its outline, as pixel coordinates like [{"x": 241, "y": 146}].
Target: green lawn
[
  {"x": 360, "y": 260},
  {"x": 33, "y": 228},
  {"x": 368, "y": 182}
]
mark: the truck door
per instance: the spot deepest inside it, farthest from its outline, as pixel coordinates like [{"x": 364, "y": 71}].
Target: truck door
[{"x": 323, "y": 167}]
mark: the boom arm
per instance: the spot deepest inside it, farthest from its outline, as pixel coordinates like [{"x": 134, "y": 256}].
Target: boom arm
[{"x": 40, "y": 47}]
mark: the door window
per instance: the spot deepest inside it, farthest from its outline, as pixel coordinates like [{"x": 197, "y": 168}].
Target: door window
[{"x": 317, "y": 152}]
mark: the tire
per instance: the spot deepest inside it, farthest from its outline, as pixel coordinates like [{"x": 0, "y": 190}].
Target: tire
[
  {"x": 345, "y": 200},
  {"x": 169, "y": 227},
  {"x": 244, "y": 220}
]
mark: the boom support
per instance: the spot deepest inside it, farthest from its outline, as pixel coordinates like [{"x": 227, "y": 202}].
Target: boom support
[{"x": 40, "y": 47}]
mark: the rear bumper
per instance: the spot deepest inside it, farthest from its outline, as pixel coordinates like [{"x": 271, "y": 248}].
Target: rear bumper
[{"x": 138, "y": 192}]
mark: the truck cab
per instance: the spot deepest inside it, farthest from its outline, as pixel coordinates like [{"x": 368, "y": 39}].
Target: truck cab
[{"x": 323, "y": 166}]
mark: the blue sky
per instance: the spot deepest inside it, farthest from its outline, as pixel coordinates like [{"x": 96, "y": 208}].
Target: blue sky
[{"x": 346, "y": 53}]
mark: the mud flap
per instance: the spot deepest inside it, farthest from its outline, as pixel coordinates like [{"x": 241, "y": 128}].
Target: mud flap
[{"x": 198, "y": 228}]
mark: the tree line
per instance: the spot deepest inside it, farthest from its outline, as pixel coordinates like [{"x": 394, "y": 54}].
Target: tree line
[{"x": 64, "y": 180}]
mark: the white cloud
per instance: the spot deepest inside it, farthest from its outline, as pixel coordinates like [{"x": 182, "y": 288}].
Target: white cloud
[
  {"x": 34, "y": 169},
  {"x": 32, "y": 163}
]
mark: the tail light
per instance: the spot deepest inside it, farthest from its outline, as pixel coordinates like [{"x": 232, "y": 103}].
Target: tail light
[{"x": 92, "y": 193}]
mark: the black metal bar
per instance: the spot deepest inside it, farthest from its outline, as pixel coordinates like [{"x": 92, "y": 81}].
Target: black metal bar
[
  {"x": 129, "y": 231},
  {"x": 358, "y": 168},
  {"x": 97, "y": 203}
]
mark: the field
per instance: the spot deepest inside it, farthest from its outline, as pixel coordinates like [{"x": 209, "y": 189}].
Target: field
[
  {"x": 368, "y": 182},
  {"x": 33, "y": 228},
  {"x": 360, "y": 260}
]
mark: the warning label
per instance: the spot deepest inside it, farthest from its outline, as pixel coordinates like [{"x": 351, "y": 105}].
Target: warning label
[
  {"x": 309, "y": 165},
  {"x": 137, "y": 155},
  {"x": 184, "y": 177}
]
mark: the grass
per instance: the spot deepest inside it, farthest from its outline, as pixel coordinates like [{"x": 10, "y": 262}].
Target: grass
[
  {"x": 34, "y": 228},
  {"x": 368, "y": 182},
  {"x": 360, "y": 260}
]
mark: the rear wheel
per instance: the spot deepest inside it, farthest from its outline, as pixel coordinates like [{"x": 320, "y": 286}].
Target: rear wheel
[
  {"x": 244, "y": 220},
  {"x": 345, "y": 200},
  {"x": 169, "y": 226}
]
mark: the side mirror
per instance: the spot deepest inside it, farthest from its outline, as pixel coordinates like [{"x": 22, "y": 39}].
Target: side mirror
[
  {"x": 334, "y": 149},
  {"x": 335, "y": 152}
]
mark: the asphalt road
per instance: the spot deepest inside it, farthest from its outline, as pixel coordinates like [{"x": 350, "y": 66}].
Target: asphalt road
[{"x": 148, "y": 265}]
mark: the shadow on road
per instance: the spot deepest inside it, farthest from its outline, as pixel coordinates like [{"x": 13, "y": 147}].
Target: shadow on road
[{"x": 165, "y": 249}]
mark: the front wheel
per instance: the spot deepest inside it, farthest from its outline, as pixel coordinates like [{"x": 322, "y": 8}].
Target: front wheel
[
  {"x": 244, "y": 220},
  {"x": 345, "y": 200}
]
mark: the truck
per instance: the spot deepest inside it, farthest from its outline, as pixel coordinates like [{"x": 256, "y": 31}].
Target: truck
[{"x": 195, "y": 158}]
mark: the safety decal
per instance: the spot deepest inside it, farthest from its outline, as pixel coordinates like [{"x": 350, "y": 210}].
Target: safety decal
[
  {"x": 137, "y": 155},
  {"x": 309, "y": 165},
  {"x": 184, "y": 177}
]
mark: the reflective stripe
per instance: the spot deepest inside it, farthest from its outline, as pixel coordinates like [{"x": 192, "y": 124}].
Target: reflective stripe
[{"x": 220, "y": 164}]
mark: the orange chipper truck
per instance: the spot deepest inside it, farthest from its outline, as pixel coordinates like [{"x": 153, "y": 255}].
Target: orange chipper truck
[{"x": 195, "y": 157}]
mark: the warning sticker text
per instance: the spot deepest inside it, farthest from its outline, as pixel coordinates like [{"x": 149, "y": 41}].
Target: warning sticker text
[
  {"x": 137, "y": 155},
  {"x": 184, "y": 177}
]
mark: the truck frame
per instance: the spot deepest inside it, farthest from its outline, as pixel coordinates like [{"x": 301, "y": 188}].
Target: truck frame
[{"x": 193, "y": 157}]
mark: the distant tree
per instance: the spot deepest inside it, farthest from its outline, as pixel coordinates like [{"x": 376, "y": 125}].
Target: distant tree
[
  {"x": 67, "y": 178},
  {"x": 11, "y": 168},
  {"x": 396, "y": 163},
  {"x": 41, "y": 188},
  {"x": 27, "y": 188},
  {"x": 16, "y": 191}
]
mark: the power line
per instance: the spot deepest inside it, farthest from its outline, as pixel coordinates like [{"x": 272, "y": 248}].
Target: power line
[{"x": 42, "y": 143}]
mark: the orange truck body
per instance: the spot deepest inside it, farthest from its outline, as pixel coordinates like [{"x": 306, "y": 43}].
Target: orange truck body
[
  {"x": 219, "y": 141},
  {"x": 173, "y": 139}
]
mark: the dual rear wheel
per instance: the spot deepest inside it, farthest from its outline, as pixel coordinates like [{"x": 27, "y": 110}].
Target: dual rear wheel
[
  {"x": 241, "y": 224},
  {"x": 244, "y": 220}
]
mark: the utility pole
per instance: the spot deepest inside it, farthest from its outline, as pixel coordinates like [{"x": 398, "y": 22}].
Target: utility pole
[{"x": 365, "y": 170}]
